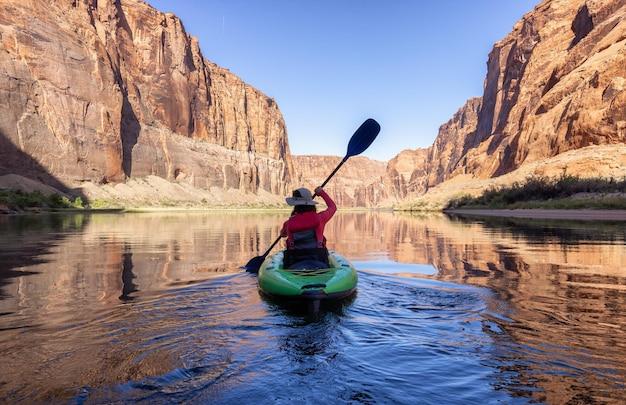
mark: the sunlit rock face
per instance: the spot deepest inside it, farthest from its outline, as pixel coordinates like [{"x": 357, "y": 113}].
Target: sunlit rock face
[
  {"x": 414, "y": 171},
  {"x": 359, "y": 182},
  {"x": 407, "y": 171},
  {"x": 446, "y": 154},
  {"x": 103, "y": 91},
  {"x": 556, "y": 83}
]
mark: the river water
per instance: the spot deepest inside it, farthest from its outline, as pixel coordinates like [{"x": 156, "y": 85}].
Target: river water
[{"x": 153, "y": 307}]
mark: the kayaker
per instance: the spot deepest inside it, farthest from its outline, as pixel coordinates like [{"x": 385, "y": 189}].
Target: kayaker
[{"x": 304, "y": 230}]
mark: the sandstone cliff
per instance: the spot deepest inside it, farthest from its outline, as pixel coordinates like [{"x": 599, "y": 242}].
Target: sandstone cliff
[
  {"x": 97, "y": 92},
  {"x": 406, "y": 172},
  {"x": 556, "y": 83},
  {"x": 357, "y": 184}
]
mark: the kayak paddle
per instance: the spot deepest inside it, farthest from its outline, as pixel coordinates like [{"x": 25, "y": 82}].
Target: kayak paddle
[{"x": 360, "y": 141}]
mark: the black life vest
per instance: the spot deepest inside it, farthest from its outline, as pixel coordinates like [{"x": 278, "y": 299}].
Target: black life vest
[
  {"x": 305, "y": 252},
  {"x": 304, "y": 240}
]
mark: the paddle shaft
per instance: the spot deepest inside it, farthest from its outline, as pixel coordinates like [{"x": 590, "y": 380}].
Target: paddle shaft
[
  {"x": 267, "y": 252},
  {"x": 344, "y": 160}
]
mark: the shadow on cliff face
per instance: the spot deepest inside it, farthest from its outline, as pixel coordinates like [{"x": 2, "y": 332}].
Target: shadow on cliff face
[
  {"x": 129, "y": 127},
  {"x": 129, "y": 124},
  {"x": 15, "y": 161}
]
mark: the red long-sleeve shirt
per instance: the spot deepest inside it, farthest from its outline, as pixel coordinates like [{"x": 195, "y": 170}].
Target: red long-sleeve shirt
[{"x": 310, "y": 220}]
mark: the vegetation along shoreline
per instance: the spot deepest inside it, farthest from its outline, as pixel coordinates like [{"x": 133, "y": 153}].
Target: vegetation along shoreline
[{"x": 566, "y": 197}]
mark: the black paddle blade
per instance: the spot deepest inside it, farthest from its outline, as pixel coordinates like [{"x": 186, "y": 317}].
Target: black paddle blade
[
  {"x": 254, "y": 264},
  {"x": 363, "y": 137}
]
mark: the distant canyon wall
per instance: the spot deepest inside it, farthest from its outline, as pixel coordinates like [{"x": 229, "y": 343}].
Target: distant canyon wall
[
  {"x": 357, "y": 184},
  {"x": 104, "y": 91},
  {"x": 363, "y": 182}
]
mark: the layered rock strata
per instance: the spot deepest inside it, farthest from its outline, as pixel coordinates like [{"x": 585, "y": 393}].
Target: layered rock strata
[
  {"x": 357, "y": 184},
  {"x": 555, "y": 84},
  {"x": 104, "y": 91}
]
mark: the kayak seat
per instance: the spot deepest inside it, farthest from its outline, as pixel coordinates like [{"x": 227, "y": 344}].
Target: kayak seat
[
  {"x": 308, "y": 265},
  {"x": 306, "y": 259}
]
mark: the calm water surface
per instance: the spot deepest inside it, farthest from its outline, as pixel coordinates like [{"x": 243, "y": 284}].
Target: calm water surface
[{"x": 153, "y": 307}]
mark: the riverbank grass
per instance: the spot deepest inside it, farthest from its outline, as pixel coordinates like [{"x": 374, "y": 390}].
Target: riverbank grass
[
  {"x": 17, "y": 200},
  {"x": 566, "y": 192}
]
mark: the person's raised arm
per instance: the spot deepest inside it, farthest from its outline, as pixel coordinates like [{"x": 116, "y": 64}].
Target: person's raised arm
[{"x": 332, "y": 208}]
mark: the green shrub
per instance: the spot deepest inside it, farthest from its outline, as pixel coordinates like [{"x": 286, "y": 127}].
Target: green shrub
[
  {"x": 537, "y": 188},
  {"x": 20, "y": 200},
  {"x": 100, "y": 203},
  {"x": 78, "y": 203},
  {"x": 58, "y": 201}
]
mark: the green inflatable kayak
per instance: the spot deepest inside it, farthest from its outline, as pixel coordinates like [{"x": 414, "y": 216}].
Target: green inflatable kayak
[{"x": 333, "y": 283}]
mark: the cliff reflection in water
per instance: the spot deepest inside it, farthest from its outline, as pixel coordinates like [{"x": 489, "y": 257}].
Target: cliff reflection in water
[
  {"x": 561, "y": 287},
  {"x": 71, "y": 285},
  {"x": 66, "y": 280},
  {"x": 93, "y": 256}
]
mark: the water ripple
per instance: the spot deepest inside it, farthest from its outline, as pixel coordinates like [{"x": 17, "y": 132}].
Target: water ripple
[{"x": 153, "y": 308}]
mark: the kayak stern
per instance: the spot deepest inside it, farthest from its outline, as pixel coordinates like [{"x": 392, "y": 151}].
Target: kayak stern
[{"x": 335, "y": 283}]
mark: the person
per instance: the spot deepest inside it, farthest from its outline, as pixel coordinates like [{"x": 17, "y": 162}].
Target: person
[{"x": 304, "y": 230}]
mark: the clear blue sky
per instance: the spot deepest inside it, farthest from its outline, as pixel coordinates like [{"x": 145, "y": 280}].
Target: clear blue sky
[{"x": 410, "y": 64}]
